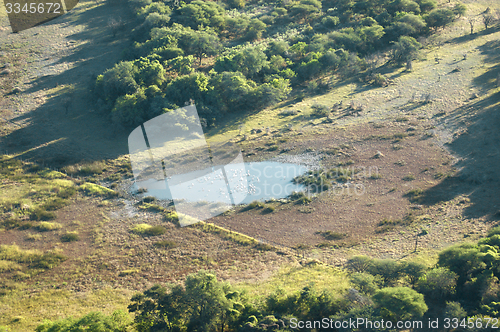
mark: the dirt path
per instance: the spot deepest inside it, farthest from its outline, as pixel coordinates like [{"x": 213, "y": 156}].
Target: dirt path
[{"x": 54, "y": 66}]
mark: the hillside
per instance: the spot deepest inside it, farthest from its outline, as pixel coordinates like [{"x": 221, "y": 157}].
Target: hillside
[{"x": 423, "y": 144}]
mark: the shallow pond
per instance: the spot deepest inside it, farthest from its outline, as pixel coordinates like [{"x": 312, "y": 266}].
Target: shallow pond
[{"x": 232, "y": 184}]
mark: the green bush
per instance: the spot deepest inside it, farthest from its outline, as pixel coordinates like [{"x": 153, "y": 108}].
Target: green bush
[
  {"x": 268, "y": 209},
  {"x": 45, "y": 226},
  {"x": 70, "y": 237},
  {"x": 166, "y": 244},
  {"x": 54, "y": 204},
  {"x": 145, "y": 229},
  {"x": 41, "y": 214},
  {"x": 253, "y": 205},
  {"x": 331, "y": 235},
  {"x": 400, "y": 303},
  {"x": 92, "y": 189}
]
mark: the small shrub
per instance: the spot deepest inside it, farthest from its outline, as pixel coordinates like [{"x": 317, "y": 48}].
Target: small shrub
[
  {"x": 320, "y": 111},
  {"x": 253, "y": 205},
  {"x": 70, "y": 237},
  {"x": 171, "y": 216},
  {"x": 165, "y": 244},
  {"x": 92, "y": 189},
  {"x": 331, "y": 235},
  {"x": 66, "y": 192},
  {"x": 54, "y": 204},
  {"x": 149, "y": 199},
  {"x": 268, "y": 209},
  {"x": 264, "y": 247},
  {"x": 33, "y": 237},
  {"x": 273, "y": 148},
  {"x": 151, "y": 207},
  {"x": 41, "y": 214},
  {"x": 145, "y": 229},
  {"x": 303, "y": 200},
  {"x": 414, "y": 195},
  {"x": 114, "y": 177},
  {"x": 409, "y": 177},
  {"x": 45, "y": 226}
]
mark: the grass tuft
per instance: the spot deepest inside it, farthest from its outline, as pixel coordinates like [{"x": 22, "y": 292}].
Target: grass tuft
[
  {"x": 148, "y": 230},
  {"x": 70, "y": 237}
]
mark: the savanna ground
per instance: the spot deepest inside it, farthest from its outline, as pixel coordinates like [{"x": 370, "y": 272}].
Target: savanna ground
[{"x": 435, "y": 128}]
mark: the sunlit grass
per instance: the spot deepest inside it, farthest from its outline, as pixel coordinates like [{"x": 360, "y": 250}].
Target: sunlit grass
[
  {"x": 292, "y": 279},
  {"x": 24, "y": 313}
]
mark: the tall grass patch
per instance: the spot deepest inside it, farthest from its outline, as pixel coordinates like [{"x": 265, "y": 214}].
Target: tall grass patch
[{"x": 148, "y": 230}]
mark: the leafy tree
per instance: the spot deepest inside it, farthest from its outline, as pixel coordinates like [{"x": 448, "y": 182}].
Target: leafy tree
[
  {"x": 270, "y": 93},
  {"x": 439, "y": 18},
  {"x": 159, "y": 309},
  {"x": 236, "y": 26},
  {"x": 405, "y": 50},
  {"x": 255, "y": 29},
  {"x": 408, "y": 25},
  {"x": 414, "y": 271},
  {"x": 359, "y": 263},
  {"x": 400, "y": 303},
  {"x": 388, "y": 269},
  {"x": 200, "y": 43},
  {"x": 438, "y": 284},
  {"x": 117, "y": 81},
  {"x": 427, "y": 5},
  {"x": 305, "y": 9},
  {"x": 460, "y": 9},
  {"x": 183, "y": 88},
  {"x": 155, "y": 20},
  {"x": 232, "y": 91},
  {"x": 407, "y": 6},
  {"x": 168, "y": 52},
  {"x": 346, "y": 38},
  {"x": 371, "y": 36},
  {"x": 149, "y": 72},
  {"x": 277, "y": 47},
  {"x": 455, "y": 310},
  {"x": 330, "y": 60},
  {"x": 130, "y": 110},
  {"x": 182, "y": 64},
  {"x": 200, "y": 13},
  {"x": 366, "y": 283},
  {"x": 203, "y": 304}
]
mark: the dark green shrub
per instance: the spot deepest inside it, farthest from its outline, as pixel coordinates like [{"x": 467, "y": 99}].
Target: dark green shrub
[
  {"x": 331, "y": 235},
  {"x": 268, "y": 209},
  {"x": 41, "y": 214},
  {"x": 155, "y": 231},
  {"x": 165, "y": 244},
  {"x": 70, "y": 237},
  {"x": 66, "y": 192},
  {"x": 54, "y": 204}
]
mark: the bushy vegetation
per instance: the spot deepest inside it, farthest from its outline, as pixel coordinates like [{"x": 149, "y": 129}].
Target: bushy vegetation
[
  {"x": 227, "y": 59},
  {"x": 464, "y": 284},
  {"x": 38, "y": 193}
]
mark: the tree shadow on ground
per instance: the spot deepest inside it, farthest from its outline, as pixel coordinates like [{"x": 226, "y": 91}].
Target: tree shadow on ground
[
  {"x": 66, "y": 129},
  {"x": 477, "y": 146},
  {"x": 478, "y": 174}
]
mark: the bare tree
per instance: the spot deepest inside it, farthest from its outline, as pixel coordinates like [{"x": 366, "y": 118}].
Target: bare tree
[
  {"x": 488, "y": 19},
  {"x": 472, "y": 21}
]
